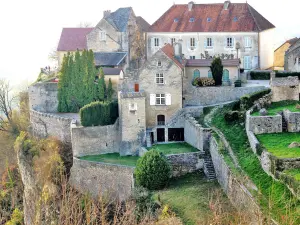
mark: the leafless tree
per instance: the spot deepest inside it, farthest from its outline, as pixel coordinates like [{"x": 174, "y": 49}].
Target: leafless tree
[
  {"x": 84, "y": 24},
  {"x": 6, "y": 105}
]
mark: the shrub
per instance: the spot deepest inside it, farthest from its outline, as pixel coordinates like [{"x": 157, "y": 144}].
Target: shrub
[
  {"x": 217, "y": 70},
  {"x": 288, "y": 74},
  {"x": 196, "y": 82},
  {"x": 248, "y": 100},
  {"x": 260, "y": 75},
  {"x": 153, "y": 171},
  {"x": 231, "y": 116},
  {"x": 99, "y": 113},
  {"x": 203, "y": 82}
]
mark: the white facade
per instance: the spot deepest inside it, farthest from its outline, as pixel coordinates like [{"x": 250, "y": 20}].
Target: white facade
[{"x": 255, "y": 49}]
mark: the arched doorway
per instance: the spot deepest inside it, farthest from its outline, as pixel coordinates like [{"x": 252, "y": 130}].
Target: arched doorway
[
  {"x": 226, "y": 75},
  {"x": 161, "y": 120}
]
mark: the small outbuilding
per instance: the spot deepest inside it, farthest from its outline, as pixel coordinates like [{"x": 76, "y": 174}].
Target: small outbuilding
[{"x": 284, "y": 88}]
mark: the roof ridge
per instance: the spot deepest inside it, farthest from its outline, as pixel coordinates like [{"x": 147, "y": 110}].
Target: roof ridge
[{"x": 250, "y": 10}]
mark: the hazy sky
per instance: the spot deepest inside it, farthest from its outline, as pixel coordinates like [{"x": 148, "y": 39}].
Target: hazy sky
[{"x": 30, "y": 29}]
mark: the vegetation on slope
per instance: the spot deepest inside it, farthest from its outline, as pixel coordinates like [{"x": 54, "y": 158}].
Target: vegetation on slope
[{"x": 277, "y": 107}]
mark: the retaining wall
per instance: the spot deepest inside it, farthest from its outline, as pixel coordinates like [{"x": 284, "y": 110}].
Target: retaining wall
[
  {"x": 45, "y": 124},
  {"x": 101, "y": 178},
  {"x": 95, "y": 140},
  {"x": 293, "y": 120},
  {"x": 213, "y": 95},
  {"x": 185, "y": 163}
]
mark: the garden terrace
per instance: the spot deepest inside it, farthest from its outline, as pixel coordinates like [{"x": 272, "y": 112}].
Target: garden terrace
[
  {"x": 113, "y": 158},
  {"x": 174, "y": 148},
  {"x": 277, "y": 144},
  {"x": 277, "y": 107}
]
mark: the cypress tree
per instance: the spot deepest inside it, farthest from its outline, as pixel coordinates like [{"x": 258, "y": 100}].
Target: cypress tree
[
  {"x": 92, "y": 73},
  {"x": 217, "y": 70},
  {"x": 62, "y": 86},
  {"x": 101, "y": 85},
  {"x": 109, "y": 90}
]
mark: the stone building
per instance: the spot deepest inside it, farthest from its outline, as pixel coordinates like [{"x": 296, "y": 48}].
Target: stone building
[
  {"x": 292, "y": 58},
  {"x": 231, "y": 30},
  {"x": 279, "y": 53},
  {"x": 285, "y": 88},
  {"x": 117, "y": 33}
]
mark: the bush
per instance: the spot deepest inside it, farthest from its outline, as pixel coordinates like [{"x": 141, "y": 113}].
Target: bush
[
  {"x": 231, "y": 116},
  {"x": 203, "y": 82},
  {"x": 153, "y": 171},
  {"x": 247, "y": 101},
  {"x": 99, "y": 113},
  {"x": 288, "y": 74},
  {"x": 260, "y": 75}
]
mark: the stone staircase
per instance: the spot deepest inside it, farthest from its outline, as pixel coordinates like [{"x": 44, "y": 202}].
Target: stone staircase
[{"x": 209, "y": 169}]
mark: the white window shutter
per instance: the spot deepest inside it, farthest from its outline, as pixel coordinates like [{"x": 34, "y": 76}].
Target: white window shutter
[
  {"x": 233, "y": 42},
  {"x": 212, "y": 42},
  {"x": 205, "y": 43},
  {"x": 160, "y": 44},
  {"x": 152, "y": 99},
  {"x": 168, "y": 99},
  {"x": 152, "y": 42},
  {"x": 196, "y": 43},
  {"x": 250, "y": 42}
]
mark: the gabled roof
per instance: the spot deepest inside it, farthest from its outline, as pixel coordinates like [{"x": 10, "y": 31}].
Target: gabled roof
[
  {"x": 119, "y": 19},
  {"x": 111, "y": 71},
  {"x": 142, "y": 23},
  {"x": 239, "y": 17},
  {"x": 169, "y": 51},
  {"x": 291, "y": 42},
  {"x": 207, "y": 62},
  {"x": 72, "y": 39},
  {"x": 109, "y": 58}
]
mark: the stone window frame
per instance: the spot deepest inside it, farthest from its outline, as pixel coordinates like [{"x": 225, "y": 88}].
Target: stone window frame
[
  {"x": 209, "y": 42},
  {"x": 156, "y": 42},
  {"x": 160, "y": 99},
  {"x": 102, "y": 35},
  {"x": 192, "y": 43},
  {"x": 161, "y": 122},
  {"x": 173, "y": 41},
  {"x": 159, "y": 64},
  {"x": 159, "y": 78},
  {"x": 229, "y": 42}
]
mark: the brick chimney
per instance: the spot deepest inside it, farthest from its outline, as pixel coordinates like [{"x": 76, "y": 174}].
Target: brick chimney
[
  {"x": 106, "y": 13},
  {"x": 190, "y": 5}
]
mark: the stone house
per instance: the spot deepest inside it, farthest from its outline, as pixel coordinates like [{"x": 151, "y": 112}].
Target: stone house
[
  {"x": 292, "y": 58},
  {"x": 279, "y": 53},
  {"x": 231, "y": 30}
]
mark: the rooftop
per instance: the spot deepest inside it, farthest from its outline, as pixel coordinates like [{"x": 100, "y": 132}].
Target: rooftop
[
  {"x": 72, "y": 39},
  {"x": 207, "y": 62},
  {"x": 169, "y": 51},
  {"x": 109, "y": 58}
]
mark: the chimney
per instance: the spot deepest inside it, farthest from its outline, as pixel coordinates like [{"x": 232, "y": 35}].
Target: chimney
[
  {"x": 106, "y": 13},
  {"x": 190, "y": 5},
  {"x": 226, "y": 5},
  {"x": 136, "y": 87}
]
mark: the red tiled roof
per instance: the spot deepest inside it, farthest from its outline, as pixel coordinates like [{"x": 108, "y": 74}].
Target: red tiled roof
[
  {"x": 221, "y": 20},
  {"x": 72, "y": 39},
  {"x": 207, "y": 62},
  {"x": 169, "y": 51}
]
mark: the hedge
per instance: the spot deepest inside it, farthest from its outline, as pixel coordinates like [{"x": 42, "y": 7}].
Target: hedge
[
  {"x": 99, "y": 114},
  {"x": 248, "y": 100},
  {"x": 288, "y": 74},
  {"x": 265, "y": 75}
]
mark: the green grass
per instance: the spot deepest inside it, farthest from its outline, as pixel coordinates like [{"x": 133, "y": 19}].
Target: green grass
[
  {"x": 294, "y": 173},
  {"x": 276, "y": 107},
  {"x": 113, "y": 158},
  {"x": 189, "y": 198},
  {"x": 272, "y": 192},
  {"x": 277, "y": 144},
  {"x": 174, "y": 148}
]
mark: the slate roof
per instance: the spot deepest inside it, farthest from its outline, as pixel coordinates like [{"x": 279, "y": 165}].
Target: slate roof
[
  {"x": 207, "y": 62},
  {"x": 212, "y": 18},
  {"x": 111, "y": 71},
  {"x": 72, "y": 39},
  {"x": 142, "y": 23},
  {"x": 119, "y": 18},
  {"x": 109, "y": 58},
  {"x": 169, "y": 51}
]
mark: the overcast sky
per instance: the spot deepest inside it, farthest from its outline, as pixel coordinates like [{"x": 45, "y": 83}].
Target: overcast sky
[{"x": 30, "y": 29}]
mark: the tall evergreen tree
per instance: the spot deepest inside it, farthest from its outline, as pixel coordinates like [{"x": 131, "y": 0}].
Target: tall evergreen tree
[
  {"x": 92, "y": 73},
  {"x": 101, "y": 85},
  {"x": 109, "y": 90},
  {"x": 217, "y": 70}
]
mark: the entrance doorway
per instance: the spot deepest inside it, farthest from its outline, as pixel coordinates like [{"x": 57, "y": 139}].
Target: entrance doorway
[
  {"x": 160, "y": 134},
  {"x": 176, "y": 134}
]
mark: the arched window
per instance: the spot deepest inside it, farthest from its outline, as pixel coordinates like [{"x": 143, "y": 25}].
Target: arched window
[
  {"x": 196, "y": 74},
  {"x": 209, "y": 75},
  {"x": 161, "y": 120},
  {"x": 226, "y": 75}
]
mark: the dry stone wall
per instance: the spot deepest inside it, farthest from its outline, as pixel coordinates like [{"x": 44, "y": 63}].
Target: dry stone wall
[
  {"x": 293, "y": 121},
  {"x": 95, "y": 140},
  {"x": 101, "y": 178}
]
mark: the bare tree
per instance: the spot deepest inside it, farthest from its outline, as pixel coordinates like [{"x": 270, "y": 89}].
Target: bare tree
[
  {"x": 85, "y": 24},
  {"x": 6, "y": 105}
]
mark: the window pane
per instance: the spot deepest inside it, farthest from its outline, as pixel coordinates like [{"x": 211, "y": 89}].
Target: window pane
[{"x": 163, "y": 101}]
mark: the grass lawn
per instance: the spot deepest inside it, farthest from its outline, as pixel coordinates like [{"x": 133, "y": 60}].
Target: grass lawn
[
  {"x": 189, "y": 198},
  {"x": 294, "y": 172},
  {"x": 174, "y": 148},
  {"x": 278, "y": 144},
  {"x": 113, "y": 158},
  {"x": 276, "y": 107},
  {"x": 274, "y": 194}
]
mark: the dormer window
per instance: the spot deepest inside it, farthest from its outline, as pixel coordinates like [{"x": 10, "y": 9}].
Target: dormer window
[
  {"x": 102, "y": 35},
  {"x": 235, "y": 19},
  {"x": 208, "y": 19},
  {"x": 159, "y": 63},
  {"x": 176, "y": 20},
  {"x": 192, "y": 19}
]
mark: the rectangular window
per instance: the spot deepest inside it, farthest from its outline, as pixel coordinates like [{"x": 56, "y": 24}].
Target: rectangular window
[
  {"x": 156, "y": 42},
  {"x": 229, "y": 42},
  {"x": 192, "y": 43},
  {"x": 209, "y": 42},
  {"x": 192, "y": 57},
  {"x": 102, "y": 35},
  {"x": 173, "y": 40},
  {"x": 160, "y": 78},
  {"x": 247, "y": 42},
  {"x": 160, "y": 99}
]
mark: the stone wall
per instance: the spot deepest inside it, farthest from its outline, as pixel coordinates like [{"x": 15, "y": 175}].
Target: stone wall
[
  {"x": 101, "y": 178},
  {"x": 95, "y": 140},
  {"x": 237, "y": 193},
  {"x": 254, "y": 143},
  {"x": 263, "y": 124},
  {"x": 213, "y": 95},
  {"x": 46, "y": 124},
  {"x": 293, "y": 121},
  {"x": 43, "y": 97},
  {"x": 185, "y": 163}
]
